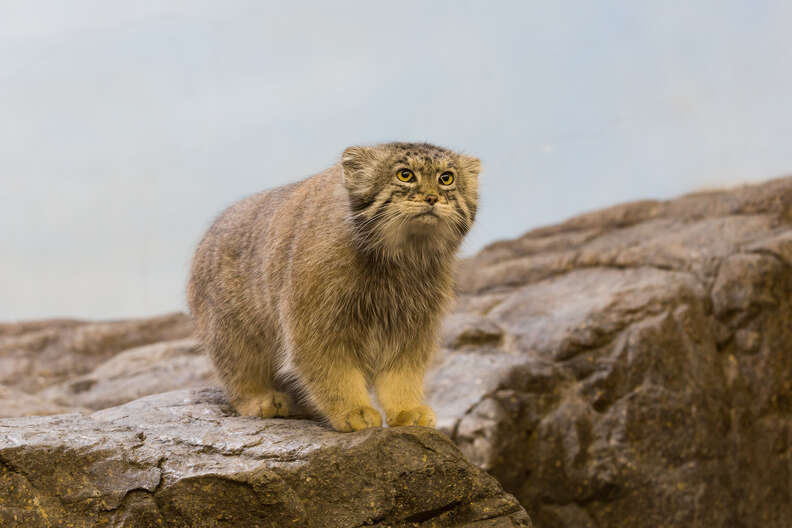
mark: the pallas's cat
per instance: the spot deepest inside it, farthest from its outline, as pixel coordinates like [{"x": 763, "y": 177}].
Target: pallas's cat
[{"x": 337, "y": 283}]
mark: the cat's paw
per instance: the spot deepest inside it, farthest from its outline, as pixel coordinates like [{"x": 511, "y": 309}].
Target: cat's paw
[
  {"x": 357, "y": 419},
  {"x": 421, "y": 415},
  {"x": 264, "y": 405}
]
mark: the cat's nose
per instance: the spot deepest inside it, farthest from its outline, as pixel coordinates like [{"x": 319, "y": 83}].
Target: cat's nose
[{"x": 431, "y": 199}]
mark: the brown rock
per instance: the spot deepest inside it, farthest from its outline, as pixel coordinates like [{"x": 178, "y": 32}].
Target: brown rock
[
  {"x": 632, "y": 367},
  {"x": 185, "y": 459},
  {"x": 134, "y": 373},
  {"x": 23, "y": 327},
  {"x": 15, "y": 403},
  {"x": 39, "y": 354}
]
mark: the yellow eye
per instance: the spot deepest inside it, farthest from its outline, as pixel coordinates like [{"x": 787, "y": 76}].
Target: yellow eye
[
  {"x": 405, "y": 175},
  {"x": 446, "y": 178}
]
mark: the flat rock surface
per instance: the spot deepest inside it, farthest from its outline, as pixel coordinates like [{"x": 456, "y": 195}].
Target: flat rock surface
[
  {"x": 184, "y": 459},
  {"x": 632, "y": 367}
]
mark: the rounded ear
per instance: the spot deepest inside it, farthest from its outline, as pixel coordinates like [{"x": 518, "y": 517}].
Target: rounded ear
[
  {"x": 355, "y": 161},
  {"x": 471, "y": 165}
]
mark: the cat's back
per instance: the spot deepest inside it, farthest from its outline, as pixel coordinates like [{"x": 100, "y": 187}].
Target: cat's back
[
  {"x": 226, "y": 252},
  {"x": 253, "y": 242},
  {"x": 270, "y": 215},
  {"x": 252, "y": 212}
]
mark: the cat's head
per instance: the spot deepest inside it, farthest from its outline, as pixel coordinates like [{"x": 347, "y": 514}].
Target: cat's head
[{"x": 410, "y": 199}]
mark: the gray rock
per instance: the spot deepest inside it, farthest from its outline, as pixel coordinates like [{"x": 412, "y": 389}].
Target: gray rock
[
  {"x": 632, "y": 367},
  {"x": 184, "y": 459}
]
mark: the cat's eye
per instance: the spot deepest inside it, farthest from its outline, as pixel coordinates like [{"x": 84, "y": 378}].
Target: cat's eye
[
  {"x": 405, "y": 175},
  {"x": 447, "y": 178}
]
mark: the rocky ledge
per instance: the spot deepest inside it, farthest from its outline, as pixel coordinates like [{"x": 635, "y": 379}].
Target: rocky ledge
[{"x": 184, "y": 459}]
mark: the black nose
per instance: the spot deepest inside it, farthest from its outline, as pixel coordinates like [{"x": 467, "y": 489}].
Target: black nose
[{"x": 431, "y": 199}]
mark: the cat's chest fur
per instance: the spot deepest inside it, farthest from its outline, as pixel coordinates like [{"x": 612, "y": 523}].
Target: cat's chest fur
[
  {"x": 392, "y": 299},
  {"x": 387, "y": 312},
  {"x": 379, "y": 309}
]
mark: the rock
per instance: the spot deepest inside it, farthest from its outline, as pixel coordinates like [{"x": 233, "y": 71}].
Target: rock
[
  {"x": 23, "y": 327},
  {"x": 36, "y": 355},
  {"x": 15, "y": 403},
  {"x": 185, "y": 459},
  {"x": 150, "y": 369},
  {"x": 632, "y": 367}
]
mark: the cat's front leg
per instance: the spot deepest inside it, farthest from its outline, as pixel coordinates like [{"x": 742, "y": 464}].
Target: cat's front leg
[
  {"x": 337, "y": 388},
  {"x": 400, "y": 392}
]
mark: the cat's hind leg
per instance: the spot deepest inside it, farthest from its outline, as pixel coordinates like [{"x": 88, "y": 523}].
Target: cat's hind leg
[{"x": 245, "y": 366}]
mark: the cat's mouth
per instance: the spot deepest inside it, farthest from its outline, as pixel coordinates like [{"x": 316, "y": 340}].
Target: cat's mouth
[{"x": 426, "y": 217}]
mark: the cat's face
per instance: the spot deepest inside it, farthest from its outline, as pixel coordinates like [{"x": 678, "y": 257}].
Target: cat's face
[{"x": 409, "y": 198}]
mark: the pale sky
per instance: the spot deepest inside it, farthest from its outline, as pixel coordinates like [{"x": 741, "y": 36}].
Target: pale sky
[{"x": 126, "y": 127}]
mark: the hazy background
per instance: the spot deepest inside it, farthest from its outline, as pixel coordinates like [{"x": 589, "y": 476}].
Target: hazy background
[{"x": 124, "y": 129}]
